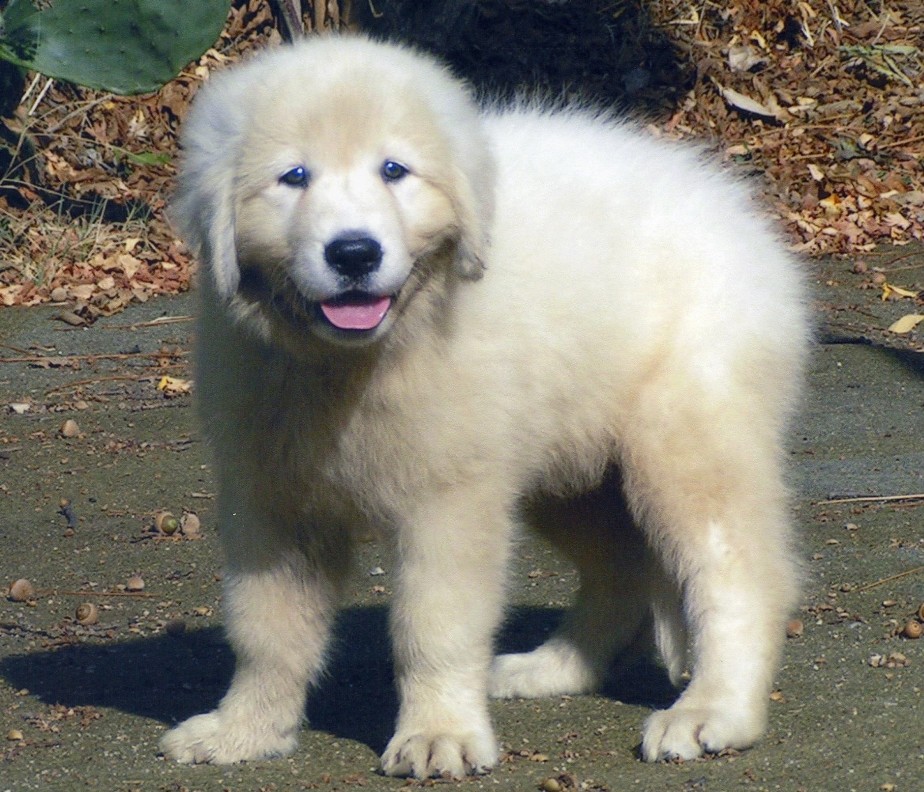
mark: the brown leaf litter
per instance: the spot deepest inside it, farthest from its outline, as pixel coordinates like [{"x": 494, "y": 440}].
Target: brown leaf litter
[{"x": 823, "y": 98}]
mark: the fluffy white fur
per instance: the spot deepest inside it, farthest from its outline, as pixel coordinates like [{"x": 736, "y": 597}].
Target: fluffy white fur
[{"x": 592, "y": 333}]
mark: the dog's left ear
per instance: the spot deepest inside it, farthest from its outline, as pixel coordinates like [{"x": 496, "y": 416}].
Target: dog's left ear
[{"x": 473, "y": 203}]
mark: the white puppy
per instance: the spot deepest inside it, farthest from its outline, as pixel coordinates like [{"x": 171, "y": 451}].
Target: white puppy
[{"x": 445, "y": 324}]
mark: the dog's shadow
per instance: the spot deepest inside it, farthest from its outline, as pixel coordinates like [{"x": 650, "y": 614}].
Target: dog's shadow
[{"x": 171, "y": 678}]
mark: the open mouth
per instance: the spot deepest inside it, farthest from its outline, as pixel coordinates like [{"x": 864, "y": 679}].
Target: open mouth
[{"x": 356, "y": 311}]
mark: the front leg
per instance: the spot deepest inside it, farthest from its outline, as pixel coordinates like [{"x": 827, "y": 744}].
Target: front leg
[
  {"x": 448, "y": 605},
  {"x": 279, "y": 605}
]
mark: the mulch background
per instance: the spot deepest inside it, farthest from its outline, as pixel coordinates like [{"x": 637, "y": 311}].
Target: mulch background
[{"x": 821, "y": 101}]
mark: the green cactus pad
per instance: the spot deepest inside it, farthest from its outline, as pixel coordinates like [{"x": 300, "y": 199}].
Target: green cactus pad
[{"x": 123, "y": 46}]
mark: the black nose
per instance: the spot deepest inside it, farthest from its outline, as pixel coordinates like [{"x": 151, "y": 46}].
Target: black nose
[{"x": 354, "y": 255}]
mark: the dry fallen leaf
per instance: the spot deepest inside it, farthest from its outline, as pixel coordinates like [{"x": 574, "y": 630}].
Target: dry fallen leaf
[
  {"x": 906, "y": 324},
  {"x": 173, "y": 386},
  {"x": 743, "y": 57},
  {"x": 741, "y": 102},
  {"x": 888, "y": 290}
]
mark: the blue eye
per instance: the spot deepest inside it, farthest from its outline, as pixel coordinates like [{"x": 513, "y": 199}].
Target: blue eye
[
  {"x": 393, "y": 171},
  {"x": 295, "y": 177}
]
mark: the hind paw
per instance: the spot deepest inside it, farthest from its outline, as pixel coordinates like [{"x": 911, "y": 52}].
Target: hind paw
[{"x": 689, "y": 732}]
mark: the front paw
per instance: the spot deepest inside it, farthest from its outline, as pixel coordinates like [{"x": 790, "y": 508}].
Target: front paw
[
  {"x": 684, "y": 732},
  {"x": 435, "y": 755},
  {"x": 217, "y": 739}
]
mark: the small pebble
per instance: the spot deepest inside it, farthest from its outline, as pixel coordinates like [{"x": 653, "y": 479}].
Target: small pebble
[
  {"x": 70, "y": 428},
  {"x": 794, "y": 628},
  {"x": 21, "y": 590},
  {"x": 66, "y": 510},
  {"x": 134, "y": 583},
  {"x": 892, "y": 660},
  {"x": 14, "y": 735}
]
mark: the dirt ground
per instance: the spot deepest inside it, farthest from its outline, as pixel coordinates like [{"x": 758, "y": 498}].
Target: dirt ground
[{"x": 82, "y": 706}]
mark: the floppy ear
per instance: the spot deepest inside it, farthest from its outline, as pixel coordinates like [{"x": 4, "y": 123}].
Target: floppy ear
[
  {"x": 470, "y": 175},
  {"x": 473, "y": 203},
  {"x": 202, "y": 208}
]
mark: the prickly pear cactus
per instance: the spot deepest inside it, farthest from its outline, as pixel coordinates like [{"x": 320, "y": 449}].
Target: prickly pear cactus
[{"x": 123, "y": 46}]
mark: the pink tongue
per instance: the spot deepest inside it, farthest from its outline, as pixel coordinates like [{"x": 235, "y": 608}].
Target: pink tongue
[{"x": 356, "y": 313}]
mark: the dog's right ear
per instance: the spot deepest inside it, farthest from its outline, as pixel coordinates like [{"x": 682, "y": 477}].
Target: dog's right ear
[{"x": 202, "y": 208}]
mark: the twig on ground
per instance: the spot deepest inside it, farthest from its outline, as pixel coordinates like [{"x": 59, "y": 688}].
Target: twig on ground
[
  {"x": 67, "y": 359},
  {"x": 162, "y": 320},
  {"x": 97, "y": 380},
  {"x": 889, "y": 579},
  {"x": 873, "y": 499}
]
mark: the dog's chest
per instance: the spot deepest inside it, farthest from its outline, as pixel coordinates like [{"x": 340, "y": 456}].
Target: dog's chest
[{"x": 347, "y": 446}]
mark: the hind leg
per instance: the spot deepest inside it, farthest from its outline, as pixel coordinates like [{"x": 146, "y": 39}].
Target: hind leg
[
  {"x": 611, "y": 606},
  {"x": 713, "y": 504}
]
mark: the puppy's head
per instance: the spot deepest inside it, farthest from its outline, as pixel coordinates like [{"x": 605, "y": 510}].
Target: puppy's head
[{"x": 325, "y": 183}]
